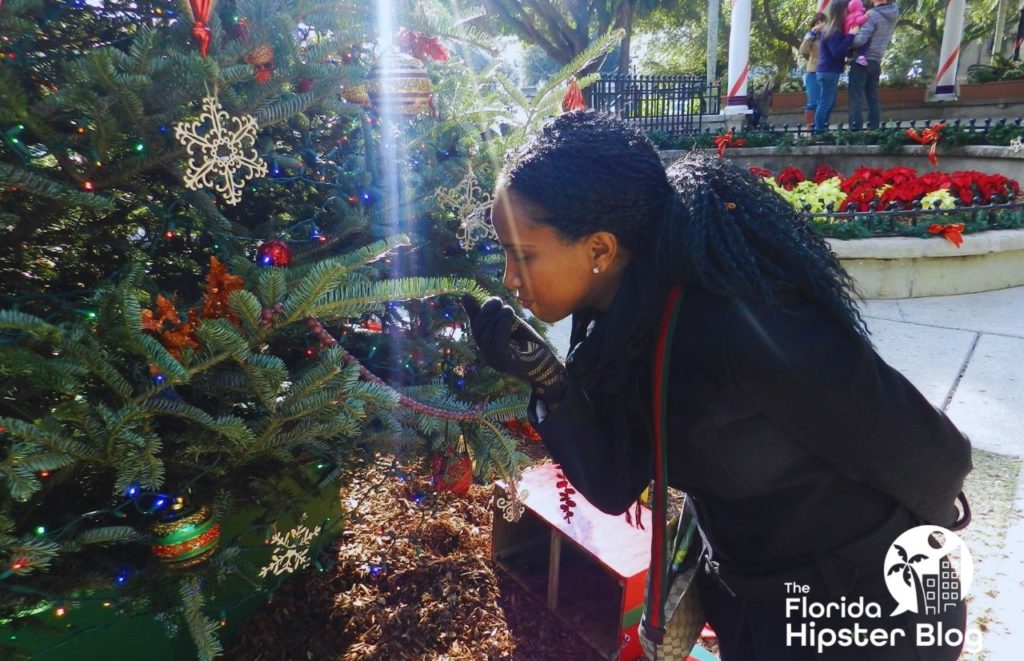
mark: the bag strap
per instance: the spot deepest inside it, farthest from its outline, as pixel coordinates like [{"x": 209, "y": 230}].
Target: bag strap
[{"x": 654, "y": 622}]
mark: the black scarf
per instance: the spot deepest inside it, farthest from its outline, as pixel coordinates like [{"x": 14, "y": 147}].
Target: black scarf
[{"x": 611, "y": 353}]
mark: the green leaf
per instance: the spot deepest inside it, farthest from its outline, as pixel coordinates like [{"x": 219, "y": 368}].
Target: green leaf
[
  {"x": 353, "y": 300},
  {"x": 221, "y": 335},
  {"x": 34, "y": 326},
  {"x": 247, "y": 307},
  {"x": 156, "y": 354},
  {"x": 109, "y": 535}
]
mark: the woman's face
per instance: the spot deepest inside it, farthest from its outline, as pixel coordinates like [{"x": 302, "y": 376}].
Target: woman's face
[{"x": 551, "y": 278}]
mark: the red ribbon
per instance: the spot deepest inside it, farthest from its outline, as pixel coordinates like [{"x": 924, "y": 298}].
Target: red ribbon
[
  {"x": 573, "y": 99},
  {"x": 727, "y": 140},
  {"x": 200, "y": 29},
  {"x": 953, "y": 232},
  {"x": 928, "y": 136}
]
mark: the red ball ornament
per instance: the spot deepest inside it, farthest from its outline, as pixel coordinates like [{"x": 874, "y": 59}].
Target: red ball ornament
[
  {"x": 304, "y": 85},
  {"x": 274, "y": 253},
  {"x": 452, "y": 472}
]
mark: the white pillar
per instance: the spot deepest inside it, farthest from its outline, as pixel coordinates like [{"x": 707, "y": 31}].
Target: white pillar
[
  {"x": 739, "y": 59},
  {"x": 997, "y": 39},
  {"x": 713, "y": 13},
  {"x": 952, "y": 33},
  {"x": 823, "y": 6}
]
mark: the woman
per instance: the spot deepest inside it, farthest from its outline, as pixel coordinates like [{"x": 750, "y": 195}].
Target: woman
[
  {"x": 804, "y": 453},
  {"x": 835, "y": 44},
  {"x": 809, "y": 49}
]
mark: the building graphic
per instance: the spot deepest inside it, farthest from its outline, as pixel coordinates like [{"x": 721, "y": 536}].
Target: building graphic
[{"x": 941, "y": 589}]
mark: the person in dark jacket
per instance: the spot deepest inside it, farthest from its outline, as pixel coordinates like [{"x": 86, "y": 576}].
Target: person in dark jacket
[
  {"x": 804, "y": 453},
  {"x": 835, "y": 46},
  {"x": 876, "y": 35}
]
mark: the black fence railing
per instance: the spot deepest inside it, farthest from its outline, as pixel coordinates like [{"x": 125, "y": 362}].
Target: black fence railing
[
  {"x": 999, "y": 213},
  {"x": 666, "y": 104},
  {"x": 978, "y": 125}
]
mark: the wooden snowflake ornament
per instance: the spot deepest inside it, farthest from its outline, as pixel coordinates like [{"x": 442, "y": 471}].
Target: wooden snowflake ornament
[
  {"x": 220, "y": 158},
  {"x": 472, "y": 207}
]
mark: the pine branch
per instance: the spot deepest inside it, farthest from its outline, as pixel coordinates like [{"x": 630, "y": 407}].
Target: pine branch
[{"x": 202, "y": 628}]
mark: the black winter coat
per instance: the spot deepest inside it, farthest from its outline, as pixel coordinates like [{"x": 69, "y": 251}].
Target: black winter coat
[{"x": 791, "y": 434}]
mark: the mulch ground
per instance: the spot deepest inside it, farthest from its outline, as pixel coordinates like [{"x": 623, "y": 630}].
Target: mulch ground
[{"x": 414, "y": 580}]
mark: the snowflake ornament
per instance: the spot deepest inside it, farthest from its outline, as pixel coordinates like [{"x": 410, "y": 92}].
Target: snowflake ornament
[
  {"x": 291, "y": 550},
  {"x": 472, "y": 206},
  {"x": 220, "y": 158},
  {"x": 1017, "y": 146}
]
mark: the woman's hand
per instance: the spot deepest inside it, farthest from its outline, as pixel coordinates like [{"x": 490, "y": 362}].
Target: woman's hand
[{"x": 508, "y": 344}]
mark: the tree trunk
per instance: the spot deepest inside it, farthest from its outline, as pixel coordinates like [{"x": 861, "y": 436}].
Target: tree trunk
[{"x": 625, "y": 22}]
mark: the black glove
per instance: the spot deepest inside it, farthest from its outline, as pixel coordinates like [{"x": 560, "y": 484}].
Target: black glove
[{"x": 510, "y": 345}]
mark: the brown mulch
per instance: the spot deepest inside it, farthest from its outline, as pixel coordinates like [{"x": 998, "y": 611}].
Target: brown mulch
[{"x": 413, "y": 581}]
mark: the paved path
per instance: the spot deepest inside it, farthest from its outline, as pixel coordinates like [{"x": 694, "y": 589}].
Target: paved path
[{"x": 966, "y": 354}]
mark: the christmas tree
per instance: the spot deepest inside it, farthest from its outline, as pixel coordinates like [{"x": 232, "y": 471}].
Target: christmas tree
[{"x": 201, "y": 250}]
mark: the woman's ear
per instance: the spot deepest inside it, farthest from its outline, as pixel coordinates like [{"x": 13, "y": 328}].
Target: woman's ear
[{"x": 604, "y": 249}]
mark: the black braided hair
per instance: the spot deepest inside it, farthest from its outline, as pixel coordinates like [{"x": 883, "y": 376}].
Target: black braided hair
[
  {"x": 587, "y": 172},
  {"x": 729, "y": 231},
  {"x": 705, "y": 221}
]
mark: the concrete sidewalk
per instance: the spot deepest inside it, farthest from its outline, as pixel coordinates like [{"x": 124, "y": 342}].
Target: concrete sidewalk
[{"x": 966, "y": 354}]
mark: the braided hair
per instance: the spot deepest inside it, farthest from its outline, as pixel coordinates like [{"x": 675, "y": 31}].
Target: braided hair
[
  {"x": 706, "y": 220},
  {"x": 587, "y": 172},
  {"x": 729, "y": 231}
]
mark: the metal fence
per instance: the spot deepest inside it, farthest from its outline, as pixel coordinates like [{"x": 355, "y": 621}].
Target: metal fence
[
  {"x": 978, "y": 125},
  {"x": 667, "y": 104},
  {"x": 999, "y": 213}
]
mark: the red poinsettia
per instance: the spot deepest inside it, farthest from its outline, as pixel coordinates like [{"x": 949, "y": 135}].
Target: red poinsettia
[
  {"x": 860, "y": 197},
  {"x": 872, "y": 177},
  {"x": 790, "y": 176},
  {"x": 903, "y": 194},
  {"x": 824, "y": 173},
  {"x": 759, "y": 171},
  {"x": 897, "y": 175}
]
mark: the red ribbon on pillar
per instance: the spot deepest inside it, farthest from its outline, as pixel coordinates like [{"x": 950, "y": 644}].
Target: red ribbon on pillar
[
  {"x": 928, "y": 136},
  {"x": 200, "y": 18}
]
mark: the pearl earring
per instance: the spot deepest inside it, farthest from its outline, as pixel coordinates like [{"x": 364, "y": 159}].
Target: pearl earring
[{"x": 596, "y": 269}]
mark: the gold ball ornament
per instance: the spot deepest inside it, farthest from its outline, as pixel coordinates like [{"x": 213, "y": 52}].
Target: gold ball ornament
[
  {"x": 186, "y": 541},
  {"x": 262, "y": 55},
  {"x": 401, "y": 82},
  {"x": 356, "y": 94}
]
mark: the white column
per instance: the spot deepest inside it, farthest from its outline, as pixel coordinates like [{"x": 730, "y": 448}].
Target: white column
[
  {"x": 739, "y": 59},
  {"x": 952, "y": 33},
  {"x": 823, "y": 6}
]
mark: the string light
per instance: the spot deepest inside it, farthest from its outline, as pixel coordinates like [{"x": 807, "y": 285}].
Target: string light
[{"x": 60, "y": 611}]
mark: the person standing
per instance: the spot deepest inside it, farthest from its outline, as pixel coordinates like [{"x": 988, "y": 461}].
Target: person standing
[
  {"x": 809, "y": 49},
  {"x": 876, "y": 33},
  {"x": 835, "y": 45}
]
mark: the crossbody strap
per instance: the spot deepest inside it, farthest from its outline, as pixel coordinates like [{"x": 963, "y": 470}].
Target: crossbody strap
[{"x": 654, "y": 621}]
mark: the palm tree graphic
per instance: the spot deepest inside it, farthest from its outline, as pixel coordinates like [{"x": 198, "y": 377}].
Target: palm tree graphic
[{"x": 910, "y": 576}]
